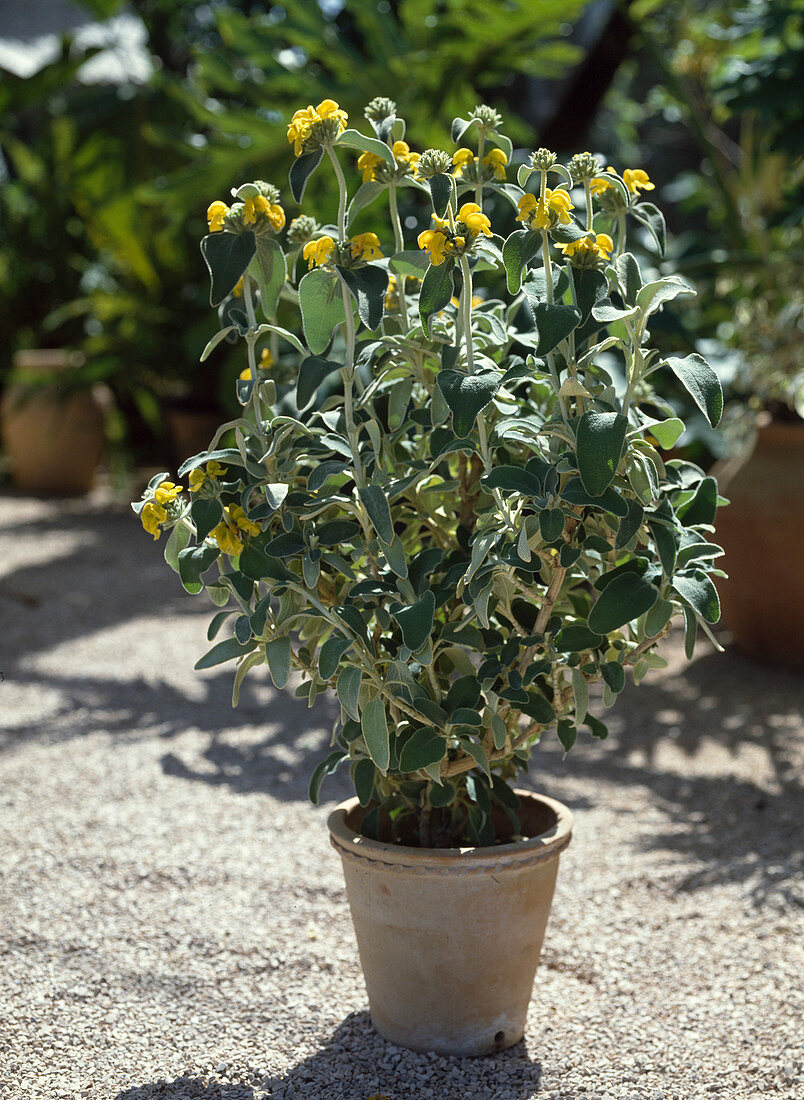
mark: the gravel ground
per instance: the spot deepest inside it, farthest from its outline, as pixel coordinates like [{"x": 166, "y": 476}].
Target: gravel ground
[{"x": 173, "y": 922}]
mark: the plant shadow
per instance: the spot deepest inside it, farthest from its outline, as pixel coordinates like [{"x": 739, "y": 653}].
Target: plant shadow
[
  {"x": 357, "y": 1062},
  {"x": 187, "y": 1088}
]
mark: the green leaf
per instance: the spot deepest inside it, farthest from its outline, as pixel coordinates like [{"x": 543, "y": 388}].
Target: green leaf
[
  {"x": 347, "y": 688},
  {"x": 591, "y": 287},
  {"x": 655, "y": 294},
  {"x": 554, "y": 323},
  {"x": 629, "y": 277},
  {"x": 193, "y": 562},
  {"x": 414, "y": 263},
  {"x": 329, "y": 656},
  {"x": 277, "y": 653},
  {"x": 698, "y": 551},
  {"x": 576, "y": 638},
  {"x": 227, "y": 256},
  {"x": 206, "y": 513},
  {"x": 436, "y": 291},
  {"x": 222, "y": 652},
  {"x": 321, "y": 304},
  {"x": 442, "y": 795},
  {"x": 416, "y": 621},
  {"x": 363, "y": 773},
  {"x": 580, "y": 692},
  {"x": 353, "y": 139},
  {"x": 301, "y": 170},
  {"x": 666, "y": 545},
  {"x": 518, "y": 249},
  {"x": 312, "y": 373},
  {"x": 653, "y": 220},
  {"x": 597, "y": 727},
  {"x": 268, "y": 268},
  {"x": 538, "y": 709},
  {"x": 337, "y": 531},
  {"x": 440, "y": 192},
  {"x": 466, "y": 395},
  {"x": 473, "y": 749},
  {"x": 216, "y": 339},
  {"x": 423, "y": 747},
  {"x": 178, "y": 540},
  {"x": 375, "y": 732},
  {"x": 629, "y": 524},
  {"x": 368, "y": 286},
  {"x": 666, "y": 432},
  {"x": 658, "y": 617},
  {"x": 513, "y": 479},
  {"x": 700, "y": 593},
  {"x": 600, "y": 440},
  {"x": 701, "y": 383},
  {"x": 624, "y": 599},
  {"x": 613, "y": 674},
  {"x": 609, "y": 501},
  {"x": 566, "y": 734},
  {"x": 551, "y": 524},
  {"x": 365, "y": 195},
  {"x": 605, "y": 312},
  {"x": 326, "y": 767},
  {"x": 376, "y": 504},
  {"x": 700, "y": 508}
]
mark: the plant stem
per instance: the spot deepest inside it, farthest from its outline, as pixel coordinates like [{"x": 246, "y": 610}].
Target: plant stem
[
  {"x": 587, "y": 187},
  {"x": 466, "y": 313},
  {"x": 341, "y": 194},
  {"x": 481, "y": 148},
  {"x": 348, "y": 375},
  {"x": 399, "y": 246},
  {"x": 548, "y": 279},
  {"x": 251, "y": 340}
]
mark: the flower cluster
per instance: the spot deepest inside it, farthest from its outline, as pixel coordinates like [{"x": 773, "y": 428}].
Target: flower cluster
[
  {"x": 374, "y": 167},
  {"x": 457, "y": 239},
  {"x": 588, "y": 252},
  {"x": 161, "y": 505},
  {"x": 229, "y": 532},
  {"x": 549, "y": 209},
  {"x": 471, "y": 168},
  {"x": 362, "y": 248},
  {"x": 312, "y": 127}
]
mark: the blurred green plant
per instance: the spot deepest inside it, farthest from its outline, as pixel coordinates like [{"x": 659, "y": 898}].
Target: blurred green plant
[
  {"x": 105, "y": 187},
  {"x": 720, "y": 115}
]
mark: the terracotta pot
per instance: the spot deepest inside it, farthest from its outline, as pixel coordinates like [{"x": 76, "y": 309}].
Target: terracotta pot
[
  {"x": 762, "y": 532},
  {"x": 190, "y": 430},
  {"x": 449, "y": 939},
  {"x": 53, "y": 435}
]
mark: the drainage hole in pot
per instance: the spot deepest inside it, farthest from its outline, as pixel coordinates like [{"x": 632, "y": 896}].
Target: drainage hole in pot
[{"x": 498, "y": 1038}]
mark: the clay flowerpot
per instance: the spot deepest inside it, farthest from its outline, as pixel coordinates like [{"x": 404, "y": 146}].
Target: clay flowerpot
[
  {"x": 53, "y": 434},
  {"x": 762, "y": 532},
  {"x": 449, "y": 938}
]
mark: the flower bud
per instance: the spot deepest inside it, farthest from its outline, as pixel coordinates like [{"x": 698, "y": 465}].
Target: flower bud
[
  {"x": 379, "y": 109},
  {"x": 302, "y": 230},
  {"x": 433, "y": 162},
  {"x": 267, "y": 190},
  {"x": 488, "y": 117},
  {"x": 583, "y": 167},
  {"x": 543, "y": 159},
  {"x": 323, "y": 132}
]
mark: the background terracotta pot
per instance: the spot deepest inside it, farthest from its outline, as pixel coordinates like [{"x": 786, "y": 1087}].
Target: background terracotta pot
[
  {"x": 54, "y": 435},
  {"x": 449, "y": 939},
  {"x": 762, "y": 532}
]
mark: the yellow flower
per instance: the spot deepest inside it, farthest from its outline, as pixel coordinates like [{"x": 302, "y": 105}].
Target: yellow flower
[
  {"x": 216, "y": 212},
  {"x": 227, "y": 539},
  {"x": 328, "y": 108},
  {"x": 259, "y": 205},
  {"x": 474, "y": 220},
  {"x": 434, "y": 241},
  {"x": 167, "y": 492},
  {"x": 586, "y": 252},
  {"x": 496, "y": 160},
  {"x": 151, "y": 516},
  {"x": 541, "y": 213},
  {"x": 299, "y": 128},
  {"x": 318, "y": 252},
  {"x": 403, "y": 155},
  {"x": 600, "y": 184},
  {"x": 461, "y": 159},
  {"x": 266, "y": 359},
  {"x": 198, "y": 476},
  {"x": 228, "y": 532},
  {"x": 365, "y": 246},
  {"x": 239, "y": 517},
  {"x": 367, "y": 163},
  {"x": 636, "y": 179}
]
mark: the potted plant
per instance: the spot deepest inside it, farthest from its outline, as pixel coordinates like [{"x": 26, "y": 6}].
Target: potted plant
[{"x": 458, "y": 521}]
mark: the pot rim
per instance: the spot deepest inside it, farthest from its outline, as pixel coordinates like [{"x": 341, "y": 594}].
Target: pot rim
[{"x": 535, "y": 849}]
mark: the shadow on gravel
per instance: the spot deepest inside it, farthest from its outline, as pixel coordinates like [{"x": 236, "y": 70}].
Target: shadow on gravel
[
  {"x": 101, "y": 570},
  {"x": 187, "y": 1088},
  {"x": 738, "y": 830},
  {"x": 357, "y": 1062}
]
